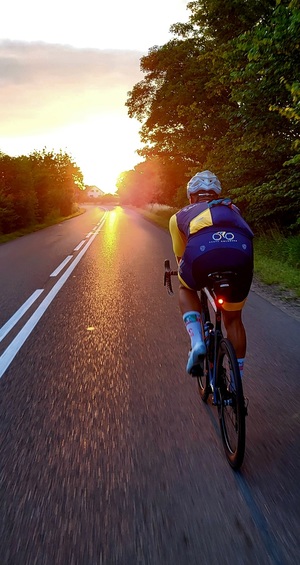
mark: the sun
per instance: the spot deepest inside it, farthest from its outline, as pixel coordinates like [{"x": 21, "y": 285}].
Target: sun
[{"x": 103, "y": 147}]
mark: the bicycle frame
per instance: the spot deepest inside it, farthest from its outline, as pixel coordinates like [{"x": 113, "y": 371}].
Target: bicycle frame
[
  {"x": 215, "y": 331},
  {"x": 210, "y": 295},
  {"x": 218, "y": 374}
]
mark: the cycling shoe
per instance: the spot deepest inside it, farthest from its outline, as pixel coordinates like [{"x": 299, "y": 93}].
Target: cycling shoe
[{"x": 195, "y": 356}]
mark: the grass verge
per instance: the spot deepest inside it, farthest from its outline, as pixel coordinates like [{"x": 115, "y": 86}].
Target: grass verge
[
  {"x": 37, "y": 227},
  {"x": 277, "y": 261}
]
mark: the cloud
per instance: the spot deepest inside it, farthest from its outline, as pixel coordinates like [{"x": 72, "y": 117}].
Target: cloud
[
  {"x": 44, "y": 86},
  {"x": 134, "y": 24}
]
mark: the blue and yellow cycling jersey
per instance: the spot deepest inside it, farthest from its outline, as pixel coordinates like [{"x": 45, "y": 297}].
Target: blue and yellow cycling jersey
[{"x": 204, "y": 217}]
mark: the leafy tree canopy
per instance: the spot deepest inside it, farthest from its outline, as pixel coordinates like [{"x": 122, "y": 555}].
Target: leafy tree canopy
[
  {"x": 35, "y": 187},
  {"x": 224, "y": 94}
]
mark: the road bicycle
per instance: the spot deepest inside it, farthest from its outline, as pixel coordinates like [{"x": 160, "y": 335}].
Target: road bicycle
[{"x": 218, "y": 375}]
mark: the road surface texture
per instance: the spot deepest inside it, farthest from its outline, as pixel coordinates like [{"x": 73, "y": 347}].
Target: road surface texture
[{"x": 108, "y": 455}]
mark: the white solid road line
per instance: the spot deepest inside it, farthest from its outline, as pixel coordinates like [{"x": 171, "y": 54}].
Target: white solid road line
[
  {"x": 9, "y": 354},
  {"x": 19, "y": 313}
]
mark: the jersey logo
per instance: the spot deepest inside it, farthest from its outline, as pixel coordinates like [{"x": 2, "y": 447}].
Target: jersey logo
[{"x": 223, "y": 236}]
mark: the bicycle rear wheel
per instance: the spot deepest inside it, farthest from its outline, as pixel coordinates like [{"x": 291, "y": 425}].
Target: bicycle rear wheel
[{"x": 232, "y": 411}]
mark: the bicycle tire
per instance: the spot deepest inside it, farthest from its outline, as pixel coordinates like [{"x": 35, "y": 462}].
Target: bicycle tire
[
  {"x": 203, "y": 380},
  {"x": 231, "y": 406}
]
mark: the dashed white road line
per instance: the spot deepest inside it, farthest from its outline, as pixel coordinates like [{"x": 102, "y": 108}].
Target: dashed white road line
[
  {"x": 19, "y": 313},
  {"x": 9, "y": 354},
  {"x": 61, "y": 266},
  {"x": 79, "y": 245}
]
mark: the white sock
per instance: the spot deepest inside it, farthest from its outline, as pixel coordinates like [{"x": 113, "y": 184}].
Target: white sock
[
  {"x": 241, "y": 366},
  {"x": 193, "y": 326}
]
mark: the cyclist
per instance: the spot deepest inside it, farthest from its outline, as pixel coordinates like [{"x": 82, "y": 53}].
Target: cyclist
[{"x": 210, "y": 235}]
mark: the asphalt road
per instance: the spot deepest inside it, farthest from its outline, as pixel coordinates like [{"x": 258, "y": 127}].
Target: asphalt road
[{"x": 108, "y": 455}]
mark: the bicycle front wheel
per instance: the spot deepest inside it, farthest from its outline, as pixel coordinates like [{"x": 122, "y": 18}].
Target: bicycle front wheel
[
  {"x": 203, "y": 380},
  {"x": 231, "y": 408}
]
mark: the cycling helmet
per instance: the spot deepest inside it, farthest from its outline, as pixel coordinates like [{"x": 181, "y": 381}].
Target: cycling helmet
[{"x": 203, "y": 182}]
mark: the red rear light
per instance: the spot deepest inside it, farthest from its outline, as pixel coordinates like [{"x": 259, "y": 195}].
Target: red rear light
[{"x": 220, "y": 301}]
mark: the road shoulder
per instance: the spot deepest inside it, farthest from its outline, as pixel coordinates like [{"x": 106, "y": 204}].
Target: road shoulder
[{"x": 285, "y": 300}]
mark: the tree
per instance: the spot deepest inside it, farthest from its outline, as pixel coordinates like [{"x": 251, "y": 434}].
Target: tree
[
  {"x": 18, "y": 199},
  {"x": 36, "y": 187},
  {"x": 262, "y": 61},
  {"x": 56, "y": 179},
  {"x": 140, "y": 185},
  {"x": 224, "y": 94},
  {"x": 184, "y": 101}
]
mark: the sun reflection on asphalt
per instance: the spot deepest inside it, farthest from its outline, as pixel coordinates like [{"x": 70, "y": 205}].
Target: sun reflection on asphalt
[{"x": 111, "y": 231}]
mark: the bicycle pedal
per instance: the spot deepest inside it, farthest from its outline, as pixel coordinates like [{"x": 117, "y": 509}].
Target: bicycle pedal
[
  {"x": 198, "y": 370},
  {"x": 227, "y": 401}
]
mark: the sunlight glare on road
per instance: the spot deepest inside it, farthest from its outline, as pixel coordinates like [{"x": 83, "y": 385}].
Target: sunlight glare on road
[{"x": 111, "y": 231}]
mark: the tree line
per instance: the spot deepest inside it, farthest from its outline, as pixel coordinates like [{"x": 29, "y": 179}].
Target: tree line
[
  {"x": 223, "y": 94},
  {"x": 35, "y": 188}
]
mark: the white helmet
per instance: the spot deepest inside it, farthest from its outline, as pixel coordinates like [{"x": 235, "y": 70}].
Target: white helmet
[{"x": 203, "y": 182}]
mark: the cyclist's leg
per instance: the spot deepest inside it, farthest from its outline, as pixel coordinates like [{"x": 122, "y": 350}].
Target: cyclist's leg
[
  {"x": 232, "y": 312},
  {"x": 188, "y": 300},
  {"x": 189, "y": 274},
  {"x": 190, "y": 308},
  {"x": 235, "y": 331}
]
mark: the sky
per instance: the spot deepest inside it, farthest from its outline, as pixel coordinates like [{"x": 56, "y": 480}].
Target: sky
[{"x": 66, "y": 68}]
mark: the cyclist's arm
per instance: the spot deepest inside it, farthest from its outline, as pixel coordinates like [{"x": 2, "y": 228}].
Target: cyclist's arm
[{"x": 178, "y": 238}]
